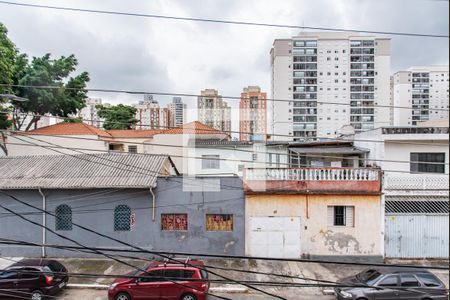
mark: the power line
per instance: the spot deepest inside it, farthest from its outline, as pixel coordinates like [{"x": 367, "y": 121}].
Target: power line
[
  {"x": 212, "y": 130},
  {"x": 216, "y": 21},
  {"x": 52, "y": 147},
  {"x": 115, "y": 91}
]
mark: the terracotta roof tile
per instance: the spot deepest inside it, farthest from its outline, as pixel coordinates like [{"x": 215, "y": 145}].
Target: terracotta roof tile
[
  {"x": 193, "y": 128},
  {"x": 69, "y": 129},
  {"x": 133, "y": 133}
]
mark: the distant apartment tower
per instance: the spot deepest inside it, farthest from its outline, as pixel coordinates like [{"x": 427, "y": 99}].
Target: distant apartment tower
[
  {"x": 328, "y": 80},
  {"x": 420, "y": 94},
  {"x": 148, "y": 113},
  {"x": 213, "y": 111},
  {"x": 253, "y": 115},
  {"x": 178, "y": 111},
  {"x": 89, "y": 114}
]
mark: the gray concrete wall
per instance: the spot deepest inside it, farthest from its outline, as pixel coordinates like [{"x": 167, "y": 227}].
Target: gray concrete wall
[{"x": 95, "y": 209}]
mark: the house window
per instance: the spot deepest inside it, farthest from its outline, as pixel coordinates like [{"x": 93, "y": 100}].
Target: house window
[
  {"x": 132, "y": 149},
  {"x": 255, "y": 157},
  {"x": 63, "y": 218},
  {"x": 174, "y": 222},
  {"x": 210, "y": 162},
  {"x": 219, "y": 222},
  {"x": 341, "y": 216},
  {"x": 122, "y": 218},
  {"x": 428, "y": 162}
]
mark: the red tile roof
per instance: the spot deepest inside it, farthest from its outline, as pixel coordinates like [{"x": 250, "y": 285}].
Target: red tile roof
[
  {"x": 193, "y": 128},
  {"x": 134, "y": 133},
  {"x": 69, "y": 129}
]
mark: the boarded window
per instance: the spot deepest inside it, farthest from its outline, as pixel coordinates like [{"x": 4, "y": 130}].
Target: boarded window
[
  {"x": 219, "y": 222},
  {"x": 428, "y": 162},
  {"x": 122, "y": 218},
  {"x": 210, "y": 162},
  {"x": 63, "y": 218},
  {"x": 341, "y": 216},
  {"x": 174, "y": 222}
]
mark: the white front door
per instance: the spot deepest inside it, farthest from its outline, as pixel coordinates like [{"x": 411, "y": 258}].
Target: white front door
[{"x": 277, "y": 237}]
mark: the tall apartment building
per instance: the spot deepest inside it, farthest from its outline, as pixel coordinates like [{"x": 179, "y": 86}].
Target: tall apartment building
[
  {"x": 326, "y": 81},
  {"x": 253, "y": 115},
  {"x": 213, "y": 111},
  {"x": 89, "y": 113},
  {"x": 148, "y": 113},
  {"x": 178, "y": 111},
  {"x": 420, "y": 94}
]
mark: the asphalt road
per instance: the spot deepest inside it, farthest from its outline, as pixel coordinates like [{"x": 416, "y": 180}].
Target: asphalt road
[{"x": 102, "y": 295}]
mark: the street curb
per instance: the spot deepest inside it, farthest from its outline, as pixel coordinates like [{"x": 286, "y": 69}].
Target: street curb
[{"x": 226, "y": 290}]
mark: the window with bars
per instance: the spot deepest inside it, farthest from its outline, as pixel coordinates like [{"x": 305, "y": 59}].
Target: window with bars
[
  {"x": 341, "y": 216},
  {"x": 428, "y": 162},
  {"x": 219, "y": 222},
  {"x": 122, "y": 218},
  {"x": 174, "y": 222},
  {"x": 63, "y": 218},
  {"x": 132, "y": 149}
]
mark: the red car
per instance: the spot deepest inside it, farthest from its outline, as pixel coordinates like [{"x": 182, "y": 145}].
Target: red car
[{"x": 163, "y": 280}]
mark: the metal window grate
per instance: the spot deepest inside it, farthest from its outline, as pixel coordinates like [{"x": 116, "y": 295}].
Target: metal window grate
[
  {"x": 417, "y": 207},
  {"x": 63, "y": 218},
  {"x": 122, "y": 218}
]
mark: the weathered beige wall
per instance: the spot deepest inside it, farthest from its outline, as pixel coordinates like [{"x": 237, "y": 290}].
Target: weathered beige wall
[{"x": 316, "y": 235}]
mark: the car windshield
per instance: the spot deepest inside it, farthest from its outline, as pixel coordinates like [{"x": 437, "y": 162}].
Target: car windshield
[{"x": 369, "y": 277}]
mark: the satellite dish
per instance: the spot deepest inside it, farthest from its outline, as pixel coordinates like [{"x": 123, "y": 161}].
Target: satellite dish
[{"x": 346, "y": 130}]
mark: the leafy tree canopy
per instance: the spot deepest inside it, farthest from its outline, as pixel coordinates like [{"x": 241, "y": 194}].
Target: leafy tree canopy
[{"x": 117, "y": 117}]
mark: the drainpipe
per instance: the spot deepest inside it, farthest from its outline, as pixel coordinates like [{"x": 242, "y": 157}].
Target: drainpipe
[
  {"x": 154, "y": 204},
  {"x": 44, "y": 222}
]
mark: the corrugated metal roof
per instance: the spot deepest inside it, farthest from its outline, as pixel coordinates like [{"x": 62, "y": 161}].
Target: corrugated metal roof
[
  {"x": 81, "y": 171},
  {"x": 328, "y": 150}
]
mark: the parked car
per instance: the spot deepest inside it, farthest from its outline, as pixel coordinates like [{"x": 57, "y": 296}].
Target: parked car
[
  {"x": 393, "y": 284},
  {"x": 163, "y": 280},
  {"x": 33, "y": 279}
]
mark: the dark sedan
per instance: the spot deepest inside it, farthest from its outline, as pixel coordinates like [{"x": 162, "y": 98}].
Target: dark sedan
[
  {"x": 33, "y": 279},
  {"x": 393, "y": 284}
]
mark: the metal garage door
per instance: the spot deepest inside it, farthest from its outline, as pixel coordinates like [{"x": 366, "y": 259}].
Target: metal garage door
[
  {"x": 417, "y": 236},
  {"x": 277, "y": 237}
]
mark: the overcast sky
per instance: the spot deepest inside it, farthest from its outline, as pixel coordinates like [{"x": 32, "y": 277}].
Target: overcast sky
[{"x": 131, "y": 53}]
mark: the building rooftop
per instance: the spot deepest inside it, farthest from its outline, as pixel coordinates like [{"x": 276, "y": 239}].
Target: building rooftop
[
  {"x": 217, "y": 142},
  {"x": 134, "y": 133},
  {"x": 84, "y": 171},
  {"x": 69, "y": 129},
  {"x": 193, "y": 128}
]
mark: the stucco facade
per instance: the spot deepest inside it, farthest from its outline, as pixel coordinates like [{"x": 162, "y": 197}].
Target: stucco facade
[
  {"x": 317, "y": 237},
  {"x": 94, "y": 209}
]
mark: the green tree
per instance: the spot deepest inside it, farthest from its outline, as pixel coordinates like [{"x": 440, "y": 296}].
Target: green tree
[
  {"x": 8, "y": 55},
  {"x": 62, "y": 96},
  {"x": 117, "y": 117}
]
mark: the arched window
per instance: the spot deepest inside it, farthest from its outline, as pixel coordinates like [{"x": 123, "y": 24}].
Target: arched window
[
  {"x": 63, "y": 218},
  {"x": 122, "y": 218}
]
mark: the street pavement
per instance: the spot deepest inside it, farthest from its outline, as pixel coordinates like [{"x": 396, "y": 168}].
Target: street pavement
[{"x": 102, "y": 295}]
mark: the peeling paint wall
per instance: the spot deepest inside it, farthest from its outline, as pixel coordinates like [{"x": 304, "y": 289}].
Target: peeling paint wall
[{"x": 317, "y": 237}]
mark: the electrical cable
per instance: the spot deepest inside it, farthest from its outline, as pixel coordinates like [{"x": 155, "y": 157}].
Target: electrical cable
[
  {"x": 115, "y": 91},
  {"x": 125, "y": 244},
  {"x": 216, "y": 21}
]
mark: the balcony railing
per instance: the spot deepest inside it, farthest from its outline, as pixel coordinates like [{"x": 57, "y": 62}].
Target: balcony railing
[
  {"x": 417, "y": 182},
  {"x": 416, "y": 130},
  {"x": 312, "y": 174}
]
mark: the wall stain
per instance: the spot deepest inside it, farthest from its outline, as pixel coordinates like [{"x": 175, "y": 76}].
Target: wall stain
[{"x": 338, "y": 242}]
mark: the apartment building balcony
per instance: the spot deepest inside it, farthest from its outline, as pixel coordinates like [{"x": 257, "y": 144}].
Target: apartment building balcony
[{"x": 313, "y": 181}]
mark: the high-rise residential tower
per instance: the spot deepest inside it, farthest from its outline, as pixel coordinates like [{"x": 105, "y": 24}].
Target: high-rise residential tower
[
  {"x": 328, "y": 80},
  {"x": 420, "y": 94},
  {"x": 148, "y": 114},
  {"x": 253, "y": 115},
  {"x": 178, "y": 111},
  {"x": 89, "y": 113},
  {"x": 213, "y": 111}
]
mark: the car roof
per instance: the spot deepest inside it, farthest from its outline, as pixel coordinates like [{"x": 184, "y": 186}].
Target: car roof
[
  {"x": 176, "y": 263},
  {"x": 399, "y": 270},
  {"x": 33, "y": 263}
]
